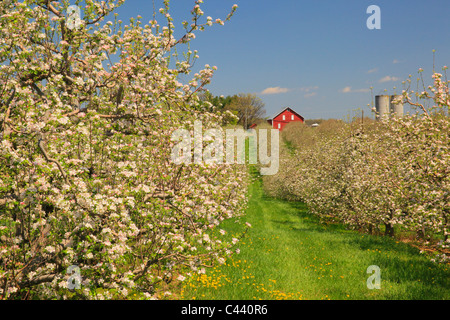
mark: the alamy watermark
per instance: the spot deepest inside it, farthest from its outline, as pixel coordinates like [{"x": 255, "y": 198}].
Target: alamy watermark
[
  {"x": 190, "y": 149},
  {"x": 73, "y": 19},
  {"x": 374, "y": 281},
  {"x": 74, "y": 281},
  {"x": 374, "y": 21}
]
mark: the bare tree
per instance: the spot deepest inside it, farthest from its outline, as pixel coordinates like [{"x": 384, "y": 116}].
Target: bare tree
[{"x": 248, "y": 107}]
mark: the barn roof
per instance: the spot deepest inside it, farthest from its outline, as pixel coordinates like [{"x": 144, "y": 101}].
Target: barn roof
[{"x": 287, "y": 108}]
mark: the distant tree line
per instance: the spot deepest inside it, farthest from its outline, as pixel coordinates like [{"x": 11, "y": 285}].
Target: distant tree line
[{"x": 248, "y": 108}]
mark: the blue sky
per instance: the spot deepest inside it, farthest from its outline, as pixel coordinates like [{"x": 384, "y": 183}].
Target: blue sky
[{"x": 317, "y": 57}]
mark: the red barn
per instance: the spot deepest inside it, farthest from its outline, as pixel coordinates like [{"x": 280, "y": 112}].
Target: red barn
[{"x": 284, "y": 117}]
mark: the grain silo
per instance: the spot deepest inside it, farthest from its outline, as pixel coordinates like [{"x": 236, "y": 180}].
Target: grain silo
[
  {"x": 386, "y": 106},
  {"x": 382, "y": 106},
  {"x": 396, "y": 106}
]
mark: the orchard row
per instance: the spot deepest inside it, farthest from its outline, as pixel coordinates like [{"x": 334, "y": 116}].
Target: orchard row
[{"x": 388, "y": 176}]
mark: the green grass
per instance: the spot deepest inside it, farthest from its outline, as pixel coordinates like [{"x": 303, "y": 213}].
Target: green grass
[{"x": 289, "y": 254}]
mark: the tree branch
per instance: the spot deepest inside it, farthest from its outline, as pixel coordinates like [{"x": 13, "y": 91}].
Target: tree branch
[
  {"x": 37, "y": 280},
  {"x": 52, "y": 160},
  {"x": 8, "y": 111}
]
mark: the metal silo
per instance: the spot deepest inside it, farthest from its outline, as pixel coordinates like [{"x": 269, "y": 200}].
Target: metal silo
[
  {"x": 396, "y": 108},
  {"x": 382, "y": 105}
]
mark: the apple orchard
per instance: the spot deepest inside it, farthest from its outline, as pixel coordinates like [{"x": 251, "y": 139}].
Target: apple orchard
[{"x": 88, "y": 106}]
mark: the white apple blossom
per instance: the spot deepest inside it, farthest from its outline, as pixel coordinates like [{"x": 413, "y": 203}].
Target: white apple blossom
[{"x": 99, "y": 190}]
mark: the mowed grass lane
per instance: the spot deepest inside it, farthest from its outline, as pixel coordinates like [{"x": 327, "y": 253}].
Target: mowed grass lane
[{"x": 288, "y": 254}]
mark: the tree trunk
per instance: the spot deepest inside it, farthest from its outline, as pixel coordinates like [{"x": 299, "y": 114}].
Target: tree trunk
[{"x": 389, "y": 230}]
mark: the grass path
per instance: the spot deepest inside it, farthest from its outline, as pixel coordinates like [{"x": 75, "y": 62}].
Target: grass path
[{"x": 288, "y": 254}]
